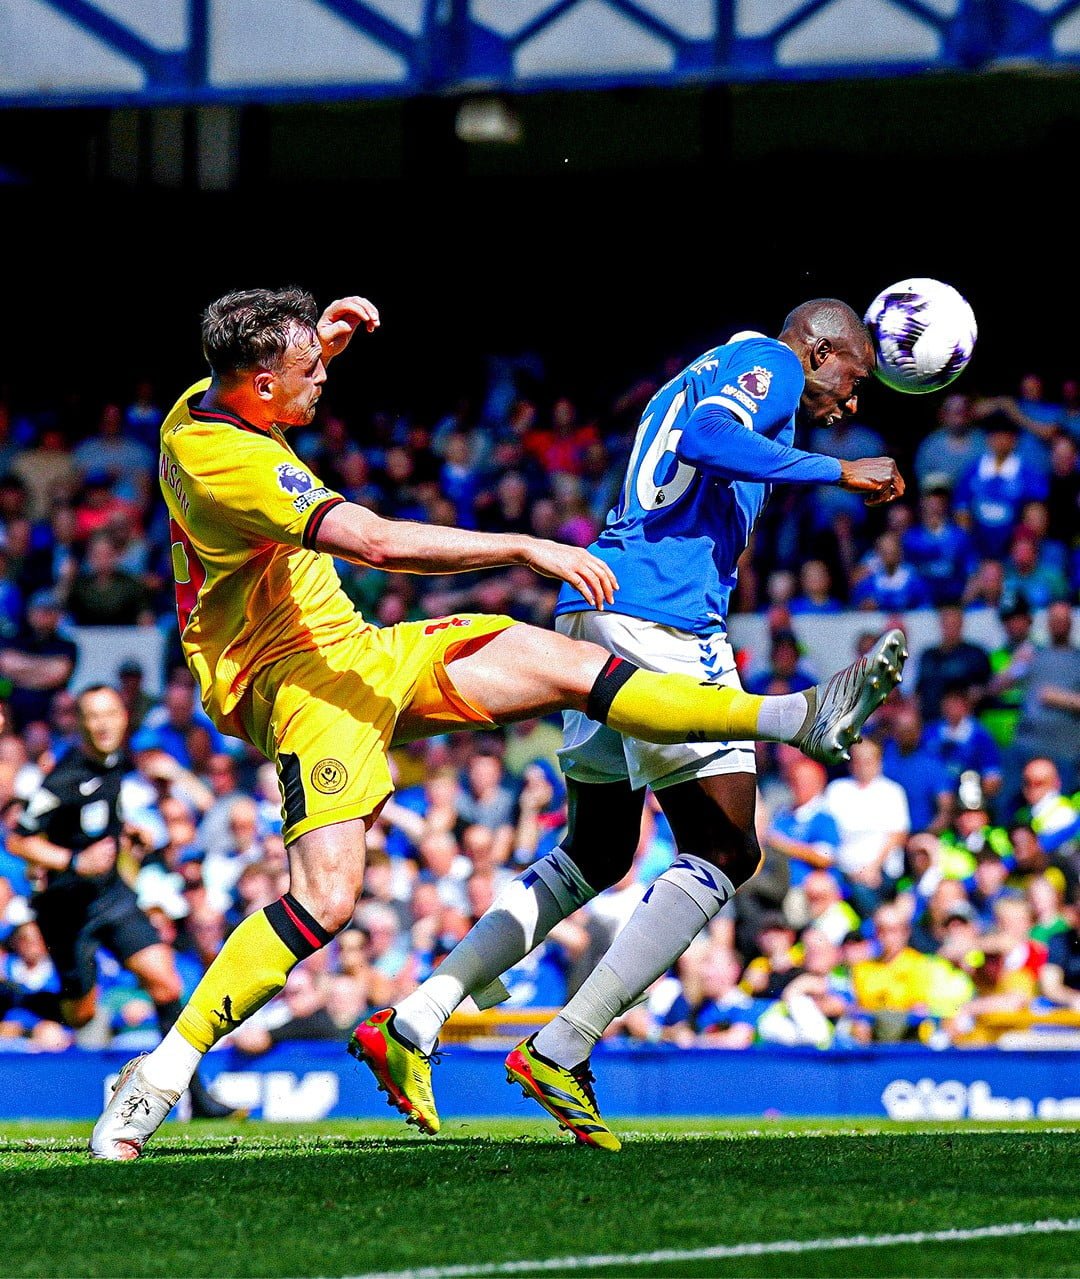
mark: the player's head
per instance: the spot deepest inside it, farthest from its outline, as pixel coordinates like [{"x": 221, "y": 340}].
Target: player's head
[
  {"x": 103, "y": 719},
  {"x": 263, "y": 347},
  {"x": 836, "y": 353}
]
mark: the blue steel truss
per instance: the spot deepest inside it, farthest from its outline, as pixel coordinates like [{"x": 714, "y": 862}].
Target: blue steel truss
[{"x": 454, "y": 46}]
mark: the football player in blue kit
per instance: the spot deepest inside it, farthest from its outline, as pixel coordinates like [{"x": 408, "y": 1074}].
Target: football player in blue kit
[{"x": 711, "y": 444}]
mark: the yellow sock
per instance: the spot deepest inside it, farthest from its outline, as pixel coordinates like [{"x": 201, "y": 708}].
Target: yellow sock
[
  {"x": 679, "y": 708},
  {"x": 249, "y": 969}
]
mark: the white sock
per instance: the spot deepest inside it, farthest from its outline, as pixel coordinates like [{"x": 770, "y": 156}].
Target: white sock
[
  {"x": 172, "y": 1063},
  {"x": 671, "y": 914},
  {"x": 515, "y": 924},
  {"x": 782, "y": 718}
]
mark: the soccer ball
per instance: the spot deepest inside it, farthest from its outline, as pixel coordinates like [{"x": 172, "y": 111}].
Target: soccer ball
[{"x": 924, "y": 333}]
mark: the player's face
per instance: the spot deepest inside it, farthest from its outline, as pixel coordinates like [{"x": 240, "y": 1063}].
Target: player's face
[
  {"x": 832, "y": 387},
  {"x": 298, "y": 384},
  {"x": 103, "y": 721}
]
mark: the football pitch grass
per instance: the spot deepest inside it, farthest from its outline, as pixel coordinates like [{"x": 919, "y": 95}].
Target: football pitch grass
[{"x": 685, "y": 1197}]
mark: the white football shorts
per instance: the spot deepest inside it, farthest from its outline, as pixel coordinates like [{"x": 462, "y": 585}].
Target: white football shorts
[{"x": 592, "y": 752}]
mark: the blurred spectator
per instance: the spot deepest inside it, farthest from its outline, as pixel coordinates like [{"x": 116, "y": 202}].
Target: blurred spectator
[
  {"x": 986, "y": 586},
  {"x": 48, "y": 472},
  {"x": 487, "y": 798},
  {"x": 1010, "y": 665},
  {"x": 988, "y": 884},
  {"x": 171, "y": 726},
  {"x": 38, "y": 661},
  {"x": 562, "y": 446},
  {"x": 893, "y": 992},
  {"x": 143, "y": 416},
  {"x": 711, "y": 1011},
  {"x": 103, "y": 594},
  {"x": 816, "y": 995},
  {"x": 805, "y": 832},
  {"x": 992, "y": 491},
  {"x": 136, "y": 699},
  {"x": 939, "y": 549},
  {"x": 1038, "y": 417},
  {"x": 820, "y": 904},
  {"x": 128, "y": 464},
  {"x": 1059, "y": 978},
  {"x": 907, "y": 759},
  {"x": 961, "y": 744},
  {"x": 952, "y": 662},
  {"x": 1046, "y": 899},
  {"x": 1063, "y": 497},
  {"x": 11, "y": 597},
  {"x": 785, "y": 673},
  {"x": 815, "y": 591},
  {"x": 871, "y": 814},
  {"x": 1054, "y": 817},
  {"x": 97, "y": 508},
  {"x": 950, "y": 450},
  {"x": 1002, "y": 984},
  {"x": 889, "y": 585},
  {"x": 1039, "y": 583},
  {"x": 27, "y": 968},
  {"x": 1050, "y": 716},
  {"x": 774, "y": 965}
]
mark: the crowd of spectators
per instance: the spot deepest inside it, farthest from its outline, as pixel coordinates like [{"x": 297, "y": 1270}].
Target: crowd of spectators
[{"x": 907, "y": 895}]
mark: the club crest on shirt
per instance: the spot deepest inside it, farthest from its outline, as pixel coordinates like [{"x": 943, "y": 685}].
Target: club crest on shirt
[
  {"x": 756, "y": 381},
  {"x": 291, "y": 479}
]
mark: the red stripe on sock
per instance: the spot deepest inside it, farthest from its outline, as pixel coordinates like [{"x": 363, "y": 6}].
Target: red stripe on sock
[{"x": 306, "y": 932}]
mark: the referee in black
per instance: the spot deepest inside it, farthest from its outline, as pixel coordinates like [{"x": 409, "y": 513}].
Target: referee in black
[{"x": 71, "y": 830}]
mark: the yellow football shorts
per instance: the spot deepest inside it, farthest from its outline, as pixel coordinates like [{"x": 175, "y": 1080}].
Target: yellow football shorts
[{"x": 327, "y": 716}]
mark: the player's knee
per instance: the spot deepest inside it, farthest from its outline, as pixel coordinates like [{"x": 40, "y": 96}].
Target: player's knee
[
  {"x": 331, "y": 905},
  {"x": 603, "y": 850},
  {"x": 164, "y": 988},
  {"x": 744, "y": 861}
]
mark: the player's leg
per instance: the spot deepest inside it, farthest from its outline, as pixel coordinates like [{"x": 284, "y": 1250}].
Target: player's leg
[
  {"x": 70, "y": 937},
  {"x": 326, "y": 873},
  {"x": 603, "y": 829},
  {"x": 712, "y": 820},
  {"x": 153, "y": 963},
  {"x": 524, "y": 671}
]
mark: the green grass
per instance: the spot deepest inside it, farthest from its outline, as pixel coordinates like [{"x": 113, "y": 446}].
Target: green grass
[{"x": 343, "y": 1198}]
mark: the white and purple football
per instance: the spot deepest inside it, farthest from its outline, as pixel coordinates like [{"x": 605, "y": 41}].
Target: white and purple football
[{"x": 924, "y": 333}]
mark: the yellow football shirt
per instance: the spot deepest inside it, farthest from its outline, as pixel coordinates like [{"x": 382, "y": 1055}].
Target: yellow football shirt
[{"x": 244, "y": 511}]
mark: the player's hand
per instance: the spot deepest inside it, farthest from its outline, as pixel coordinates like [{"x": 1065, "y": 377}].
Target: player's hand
[
  {"x": 97, "y": 858},
  {"x": 339, "y": 322},
  {"x": 877, "y": 477},
  {"x": 584, "y": 572}
]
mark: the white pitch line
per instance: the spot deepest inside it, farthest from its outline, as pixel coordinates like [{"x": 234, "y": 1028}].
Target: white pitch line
[{"x": 718, "y": 1253}]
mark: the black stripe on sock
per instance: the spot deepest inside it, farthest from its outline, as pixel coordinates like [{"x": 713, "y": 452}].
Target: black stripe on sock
[
  {"x": 617, "y": 670},
  {"x": 296, "y": 927}
]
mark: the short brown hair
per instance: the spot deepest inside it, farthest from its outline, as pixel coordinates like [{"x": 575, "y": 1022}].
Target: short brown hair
[{"x": 253, "y": 328}]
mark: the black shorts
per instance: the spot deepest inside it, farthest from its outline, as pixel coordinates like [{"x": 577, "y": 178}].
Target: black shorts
[{"x": 75, "y": 930}]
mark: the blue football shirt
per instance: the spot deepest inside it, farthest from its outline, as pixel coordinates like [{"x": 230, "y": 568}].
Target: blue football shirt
[{"x": 710, "y": 446}]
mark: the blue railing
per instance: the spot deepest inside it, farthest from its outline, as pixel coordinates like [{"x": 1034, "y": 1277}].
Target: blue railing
[{"x": 117, "y": 52}]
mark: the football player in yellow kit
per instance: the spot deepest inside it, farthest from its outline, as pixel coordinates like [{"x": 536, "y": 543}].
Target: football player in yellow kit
[{"x": 284, "y": 661}]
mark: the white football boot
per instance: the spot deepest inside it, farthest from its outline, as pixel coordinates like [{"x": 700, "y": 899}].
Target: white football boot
[
  {"x": 135, "y": 1112},
  {"x": 845, "y": 702}
]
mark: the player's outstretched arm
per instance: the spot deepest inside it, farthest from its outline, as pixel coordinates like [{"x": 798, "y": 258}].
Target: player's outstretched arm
[
  {"x": 878, "y": 477},
  {"x": 354, "y": 533},
  {"x": 339, "y": 322}
]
